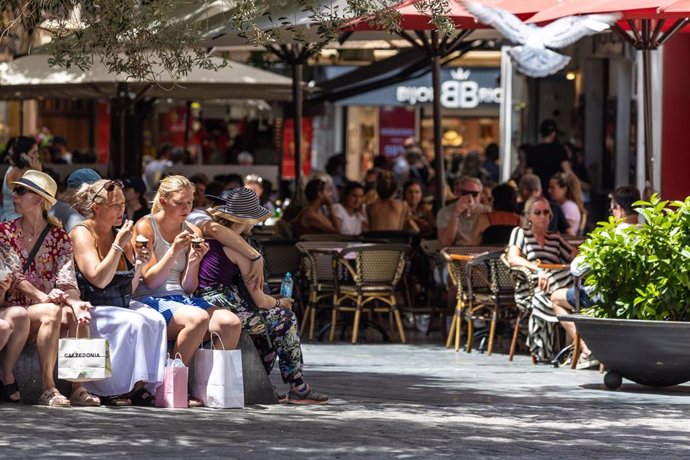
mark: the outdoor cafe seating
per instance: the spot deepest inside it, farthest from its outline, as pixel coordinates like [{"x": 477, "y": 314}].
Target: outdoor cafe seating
[{"x": 370, "y": 275}]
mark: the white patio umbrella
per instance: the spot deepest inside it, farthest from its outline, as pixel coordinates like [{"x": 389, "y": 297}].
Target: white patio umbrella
[{"x": 32, "y": 77}]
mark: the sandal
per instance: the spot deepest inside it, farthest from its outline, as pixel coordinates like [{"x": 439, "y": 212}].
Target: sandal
[
  {"x": 142, "y": 397},
  {"x": 193, "y": 402},
  {"x": 9, "y": 390},
  {"x": 309, "y": 396},
  {"x": 81, "y": 397},
  {"x": 115, "y": 401},
  {"x": 53, "y": 398}
]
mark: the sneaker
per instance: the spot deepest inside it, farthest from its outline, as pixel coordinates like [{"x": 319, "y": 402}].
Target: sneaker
[
  {"x": 587, "y": 362},
  {"x": 308, "y": 397},
  {"x": 281, "y": 398}
]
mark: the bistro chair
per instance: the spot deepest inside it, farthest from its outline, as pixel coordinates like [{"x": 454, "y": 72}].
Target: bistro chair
[
  {"x": 373, "y": 274},
  {"x": 280, "y": 256},
  {"x": 328, "y": 237},
  {"x": 317, "y": 268},
  {"x": 457, "y": 258},
  {"x": 393, "y": 236},
  {"x": 434, "y": 288},
  {"x": 525, "y": 284},
  {"x": 488, "y": 305}
]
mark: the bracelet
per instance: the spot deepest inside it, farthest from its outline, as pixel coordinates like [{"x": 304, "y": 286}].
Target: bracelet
[
  {"x": 277, "y": 303},
  {"x": 256, "y": 258},
  {"x": 117, "y": 247}
]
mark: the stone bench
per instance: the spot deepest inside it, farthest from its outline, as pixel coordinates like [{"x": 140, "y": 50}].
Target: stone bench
[{"x": 257, "y": 386}]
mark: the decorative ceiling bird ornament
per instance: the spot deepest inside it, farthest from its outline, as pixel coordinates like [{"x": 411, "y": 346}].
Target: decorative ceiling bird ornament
[{"x": 532, "y": 55}]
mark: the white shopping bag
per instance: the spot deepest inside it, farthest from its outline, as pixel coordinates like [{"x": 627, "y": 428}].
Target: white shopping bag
[
  {"x": 218, "y": 378},
  {"x": 84, "y": 360}
]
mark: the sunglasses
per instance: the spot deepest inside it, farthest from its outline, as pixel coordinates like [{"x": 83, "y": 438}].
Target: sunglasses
[
  {"x": 21, "y": 191},
  {"x": 469, "y": 192},
  {"x": 539, "y": 212},
  {"x": 108, "y": 187}
]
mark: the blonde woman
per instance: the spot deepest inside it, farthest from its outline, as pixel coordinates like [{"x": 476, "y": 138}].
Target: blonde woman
[
  {"x": 527, "y": 248},
  {"x": 46, "y": 284},
  {"x": 171, "y": 275},
  {"x": 108, "y": 270}
]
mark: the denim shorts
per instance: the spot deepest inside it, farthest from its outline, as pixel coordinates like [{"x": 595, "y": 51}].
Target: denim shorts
[
  {"x": 168, "y": 305},
  {"x": 585, "y": 299}
]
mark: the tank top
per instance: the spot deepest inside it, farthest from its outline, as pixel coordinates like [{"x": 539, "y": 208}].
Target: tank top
[
  {"x": 118, "y": 292},
  {"x": 7, "y": 203},
  {"x": 173, "y": 282},
  {"x": 216, "y": 269}
]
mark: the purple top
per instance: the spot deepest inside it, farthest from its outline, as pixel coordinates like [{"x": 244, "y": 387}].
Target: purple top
[{"x": 216, "y": 269}]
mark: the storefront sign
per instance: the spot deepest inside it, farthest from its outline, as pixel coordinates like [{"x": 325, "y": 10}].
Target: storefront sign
[
  {"x": 461, "y": 88},
  {"x": 288, "y": 166},
  {"x": 395, "y": 125}
]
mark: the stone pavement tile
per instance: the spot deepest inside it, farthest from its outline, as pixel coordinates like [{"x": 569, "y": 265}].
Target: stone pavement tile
[{"x": 388, "y": 401}]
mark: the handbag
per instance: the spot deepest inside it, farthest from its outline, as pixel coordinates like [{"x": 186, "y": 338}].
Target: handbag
[
  {"x": 117, "y": 293},
  {"x": 83, "y": 360},
  {"x": 172, "y": 393},
  {"x": 218, "y": 379}
]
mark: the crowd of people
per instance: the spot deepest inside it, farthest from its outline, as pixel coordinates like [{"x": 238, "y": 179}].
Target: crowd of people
[
  {"x": 178, "y": 274},
  {"x": 186, "y": 271}
]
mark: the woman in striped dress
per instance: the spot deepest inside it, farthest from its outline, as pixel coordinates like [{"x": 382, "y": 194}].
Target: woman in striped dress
[{"x": 527, "y": 247}]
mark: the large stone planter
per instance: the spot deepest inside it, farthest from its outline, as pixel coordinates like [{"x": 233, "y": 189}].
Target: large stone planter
[{"x": 652, "y": 353}]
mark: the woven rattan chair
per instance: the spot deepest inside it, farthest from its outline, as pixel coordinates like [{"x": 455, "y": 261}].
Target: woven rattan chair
[
  {"x": 488, "y": 306},
  {"x": 317, "y": 268},
  {"x": 375, "y": 272},
  {"x": 328, "y": 237},
  {"x": 433, "y": 286},
  {"x": 523, "y": 280},
  {"x": 457, "y": 258},
  {"x": 280, "y": 256}
]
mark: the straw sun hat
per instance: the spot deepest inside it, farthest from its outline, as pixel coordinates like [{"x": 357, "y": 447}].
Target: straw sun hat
[
  {"x": 39, "y": 183},
  {"x": 240, "y": 205}
]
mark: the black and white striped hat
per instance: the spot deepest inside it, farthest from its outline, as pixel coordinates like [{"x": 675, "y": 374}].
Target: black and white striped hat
[{"x": 241, "y": 205}]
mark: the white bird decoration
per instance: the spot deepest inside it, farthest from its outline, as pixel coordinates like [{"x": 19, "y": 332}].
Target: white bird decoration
[{"x": 532, "y": 55}]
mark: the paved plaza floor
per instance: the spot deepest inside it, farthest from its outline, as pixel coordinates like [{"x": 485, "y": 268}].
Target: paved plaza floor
[{"x": 388, "y": 401}]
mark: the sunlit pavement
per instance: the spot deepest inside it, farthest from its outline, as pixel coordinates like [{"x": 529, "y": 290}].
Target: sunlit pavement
[{"x": 388, "y": 400}]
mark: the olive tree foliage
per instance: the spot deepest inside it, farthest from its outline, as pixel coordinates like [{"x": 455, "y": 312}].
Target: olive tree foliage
[
  {"x": 327, "y": 18},
  {"x": 143, "y": 39}
]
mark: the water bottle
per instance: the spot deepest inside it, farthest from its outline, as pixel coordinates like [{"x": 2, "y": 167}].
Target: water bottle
[{"x": 286, "y": 286}]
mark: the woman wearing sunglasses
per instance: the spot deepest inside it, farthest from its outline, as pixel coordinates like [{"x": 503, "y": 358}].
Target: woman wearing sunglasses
[
  {"x": 172, "y": 274},
  {"x": 22, "y": 153},
  {"x": 528, "y": 248},
  {"x": 108, "y": 270},
  {"x": 39, "y": 253}
]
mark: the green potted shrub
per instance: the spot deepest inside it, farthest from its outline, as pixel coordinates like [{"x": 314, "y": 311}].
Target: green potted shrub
[{"x": 639, "y": 325}]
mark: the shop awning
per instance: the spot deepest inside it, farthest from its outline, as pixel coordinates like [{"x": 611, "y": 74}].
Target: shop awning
[{"x": 31, "y": 77}]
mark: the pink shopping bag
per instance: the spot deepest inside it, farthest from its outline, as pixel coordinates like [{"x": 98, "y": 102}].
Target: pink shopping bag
[{"x": 173, "y": 392}]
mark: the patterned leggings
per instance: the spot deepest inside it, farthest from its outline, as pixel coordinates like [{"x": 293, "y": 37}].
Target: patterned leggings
[{"x": 278, "y": 324}]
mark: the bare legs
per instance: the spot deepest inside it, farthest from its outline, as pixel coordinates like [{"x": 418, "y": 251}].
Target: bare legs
[
  {"x": 14, "y": 332},
  {"x": 187, "y": 328},
  {"x": 227, "y": 325},
  {"x": 561, "y": 306},
  {"x": 45, "y": 330}
]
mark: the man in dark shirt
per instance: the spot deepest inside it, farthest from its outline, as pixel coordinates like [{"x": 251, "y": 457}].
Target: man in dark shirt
[{"x": 546, "y": 158}]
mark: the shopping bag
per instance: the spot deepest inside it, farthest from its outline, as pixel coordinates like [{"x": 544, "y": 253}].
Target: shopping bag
[
  {"x": 173, "y": 392},
  {"x": 218, "y": 378},
  {"x": 83, "y": 360}
]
